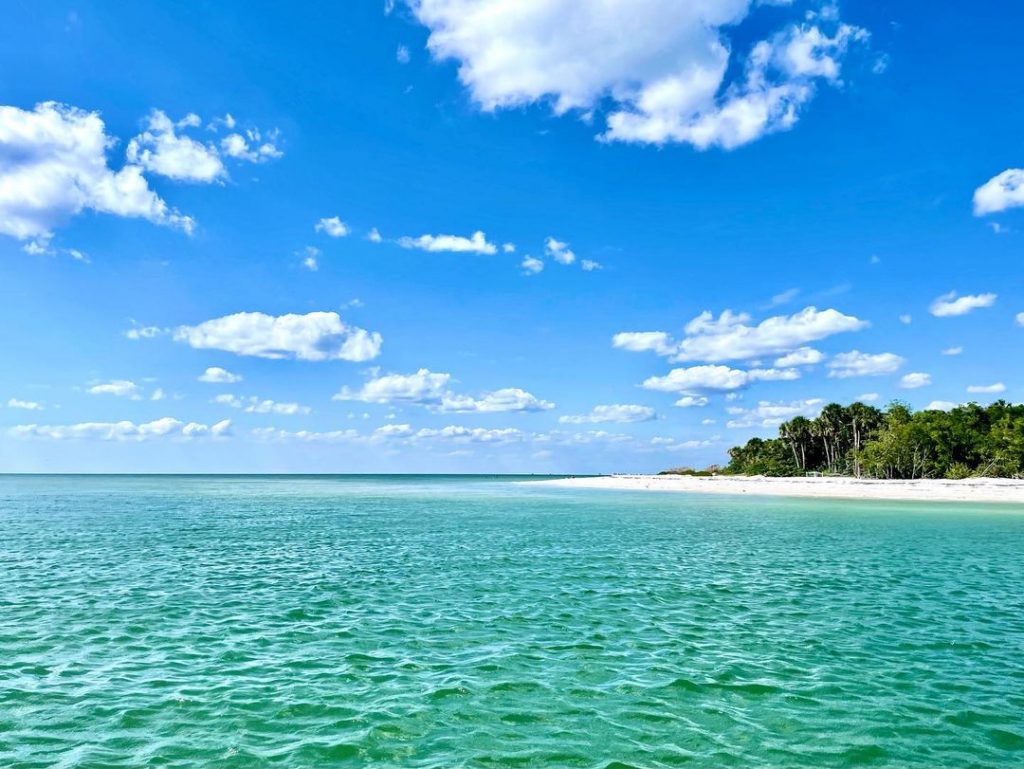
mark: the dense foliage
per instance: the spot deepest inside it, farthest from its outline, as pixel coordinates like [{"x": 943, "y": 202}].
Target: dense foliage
[{"x": 969, "y": 440}]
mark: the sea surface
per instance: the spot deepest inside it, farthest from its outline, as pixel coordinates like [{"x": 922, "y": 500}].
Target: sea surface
[{"x": 338, "y": 621}]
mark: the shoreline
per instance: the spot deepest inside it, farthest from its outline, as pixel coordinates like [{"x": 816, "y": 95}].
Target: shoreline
[{"x": 980, "y": 490}]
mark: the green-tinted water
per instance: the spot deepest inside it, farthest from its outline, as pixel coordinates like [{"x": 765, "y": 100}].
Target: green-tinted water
[{"x": 319, "y": 622}]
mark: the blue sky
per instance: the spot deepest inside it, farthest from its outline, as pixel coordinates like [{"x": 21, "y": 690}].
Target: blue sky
[{"x": 694, "y": 222}]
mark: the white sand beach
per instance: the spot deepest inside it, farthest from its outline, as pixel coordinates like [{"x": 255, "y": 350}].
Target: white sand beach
[{"x": 969, "y": 490}]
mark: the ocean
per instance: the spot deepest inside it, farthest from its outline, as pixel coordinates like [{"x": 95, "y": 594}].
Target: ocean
[{"x": 419, "y": 621}]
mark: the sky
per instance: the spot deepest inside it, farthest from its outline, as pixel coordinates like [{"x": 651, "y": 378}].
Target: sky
[{"x": 541, "y": 236}]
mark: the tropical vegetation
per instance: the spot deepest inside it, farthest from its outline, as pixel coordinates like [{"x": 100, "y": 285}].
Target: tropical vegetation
[{"x": 861, "y": 440}]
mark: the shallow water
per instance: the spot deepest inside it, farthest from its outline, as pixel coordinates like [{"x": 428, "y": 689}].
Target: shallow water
[{"x": 333, "y": 621}]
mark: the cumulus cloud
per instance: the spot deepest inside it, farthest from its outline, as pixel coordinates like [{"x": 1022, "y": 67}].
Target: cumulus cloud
[
  {"x": 940, "y": 406},
  {"x": 218, "y": 375},
  {"x": 856, "y": 363},
  {"x": 589, "y": 265},
  {"x": 531, "y": 266},
  {"x": 310, "y": 256},
  {"x": 914, "y": 380},
  {"x": 666, "y": 72},
  {"x": 950, "y": 305},
  {"x": 773, "y": 414},
  {"x": 162, "y": 150},
  {"x": 167, "y": 427},
  {"x": 658, "y": 342},
  {"x": 867, "y": 397},
  {"x": 804, "y": 356},
  {"x": 144, "y": 332},
  {"x": 1003, "y": 191},
  {"x": 332, "y": 226},
  {"x": 731, "y": 336},
  {"x": 53, "y": 165},
  {"x": 622, "y": 413},
  {"x": 559, "y": 251},
  {"x": 992, "y": 389},
  {"x": 122, "y": 388},
  {"x": 1019, "y": 318},
  {"x": 251, "y": 146},
  {"x": 701, "y": 379},
  {"x": 432, "y": 390},
  {"x": 477, "y": 243},
  {"x": 16, "y": 403},
  {"x": 691, "y": 401},
  {"x": 254, "y": 405},
  {"x": 952, "y": 350},
  {"x": 315, "y": 336}
]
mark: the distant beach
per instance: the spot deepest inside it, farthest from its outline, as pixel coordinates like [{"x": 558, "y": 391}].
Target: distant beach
[{"x": 930, "y": 490}]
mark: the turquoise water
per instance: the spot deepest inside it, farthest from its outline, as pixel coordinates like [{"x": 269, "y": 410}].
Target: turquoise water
[{"x": 418, "y": 622}]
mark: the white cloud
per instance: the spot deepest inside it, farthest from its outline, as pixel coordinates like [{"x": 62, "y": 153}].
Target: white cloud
[
  {"x": 477, "y": 243},
  {"x": 162, "y": 150},
  {"x": 531, "y": 266},
  {"x": 315, "y": 336},
  {"x": 700, "y": 379},
  {"x": 622, "y": 413},
  {"x": 672, "y": 444},
  {"x": 374, "y": 236},
  {"x": 665, "y": 66},
  {"x": 772, "y": 414},
  {"x": 905, "y": 319},
  {"x": 122, "y": 388},
  {"x": 505, "y": 399},
  {"x": 218, "y": 375},
  {"x": 953, "y": 351},
  {"x": 53, "y": 165},
  {"x": 856, "y": 363},
  {"x": 951, "y": 305},
  {"x": 691, "y": 401},
  {"x": 310, "y": 255},
  {"x": 402, "y": 55},
  {"x": 508, "y": 248},
  {"x": 167, "y": 427},
  {"x": 731, "y": 337},
  {"x": 803, "y": 356},
  {"x": 254, "y": 405},
  {"x": 644, "y": 341},
  {"x": 914, "y": 380},
  {"x": 867, "y": 397},
  {"x": 251, "y": 147},
  {"x": 15, "y": 403},
  {"x": 1019, "y": 318},
  {"x": 784, "y": 297},
  {"x": 144, "y": 332},
  {"x": 432, "y": 390},
  {"x": 458, "y": 434},
  {"x": 1003, "y": 191},
  {"x": 940, "y": 406},
  {"x": 559, "y": 251},
  {"x": 158, "y": 394},
  {"x": 332, "y": 226},
  {"x": 589, "y": 265},
  {"x": 991, "y": 389}
]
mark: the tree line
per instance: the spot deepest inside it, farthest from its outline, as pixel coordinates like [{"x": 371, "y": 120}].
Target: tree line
[{"x": 861, "y": 440}]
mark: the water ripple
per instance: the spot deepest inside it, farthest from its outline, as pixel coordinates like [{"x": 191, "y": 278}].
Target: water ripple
[{"x": 214, "y": 622}]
